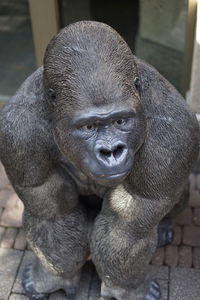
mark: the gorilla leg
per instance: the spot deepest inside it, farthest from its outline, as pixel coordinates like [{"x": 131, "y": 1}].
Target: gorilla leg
[
  {"x": 122, "y": 263},
  {"x": 37, "y": 278},
  {"x": 56, "y": 227},
  {"x": 123, "y": 241},
  {"x": 151, "y": 290},
  {"x": 61, "y": 246}
]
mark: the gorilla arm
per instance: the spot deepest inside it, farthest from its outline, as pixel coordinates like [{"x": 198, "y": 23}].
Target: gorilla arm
[
  {"x": 126, "y": 234},
  {"x": 51, "y": 207},
  {"x": 124, "y": 240}
]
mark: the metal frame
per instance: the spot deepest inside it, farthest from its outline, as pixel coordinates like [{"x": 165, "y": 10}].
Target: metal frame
[
  {"x": 189, "y": 45},
  {"x": 194, "y": 94},
  {"x": 45, "y": 24}
]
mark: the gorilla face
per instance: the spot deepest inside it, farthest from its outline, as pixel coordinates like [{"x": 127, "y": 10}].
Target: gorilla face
[
  {"x": 91, "y": 79},
  {"x": 102, "y": 141}
]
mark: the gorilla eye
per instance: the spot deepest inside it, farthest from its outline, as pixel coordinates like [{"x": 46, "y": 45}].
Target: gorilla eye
[
  {"x": 52, "y": 96},
  {"x": 123, "y": 124},
  {"x": 119, "y": 122},
  {"x": 89, "y": 127}
]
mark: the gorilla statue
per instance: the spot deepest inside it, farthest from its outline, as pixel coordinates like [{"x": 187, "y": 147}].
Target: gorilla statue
[{"x": 98, "y": 146}]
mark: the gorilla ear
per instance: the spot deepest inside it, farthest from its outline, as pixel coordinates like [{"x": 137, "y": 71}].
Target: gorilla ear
[
  {"x": 137, "y": 83},
  {"x": 51, "y": 95}
]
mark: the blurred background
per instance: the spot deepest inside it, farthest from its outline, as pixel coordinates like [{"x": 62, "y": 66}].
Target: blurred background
[{"x": 164, "y": 33}]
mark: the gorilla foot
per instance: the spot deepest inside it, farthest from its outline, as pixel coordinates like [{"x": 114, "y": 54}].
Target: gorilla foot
[
  {"x": 28, "y": 285},
  {"x": 154, "y": 291},
  {"x": 38, "y": 283},
  {"x": 165, "y": 232},
  {"x": 149, "y": 291}
]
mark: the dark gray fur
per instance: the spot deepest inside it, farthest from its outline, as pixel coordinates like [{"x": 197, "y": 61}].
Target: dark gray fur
[{"x": 90, "y": 66}]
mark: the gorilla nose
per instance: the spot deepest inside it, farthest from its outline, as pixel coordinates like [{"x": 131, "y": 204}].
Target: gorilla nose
[{"x": 112, "y": 155}]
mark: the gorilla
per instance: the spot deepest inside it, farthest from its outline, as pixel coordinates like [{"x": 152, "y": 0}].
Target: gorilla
[{"x": 98, "y": 146}]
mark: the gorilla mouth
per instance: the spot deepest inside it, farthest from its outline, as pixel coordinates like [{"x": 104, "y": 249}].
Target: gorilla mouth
[{"x": 112, "y": 177}]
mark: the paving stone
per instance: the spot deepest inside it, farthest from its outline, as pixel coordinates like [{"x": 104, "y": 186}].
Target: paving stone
[
  {"x": 12, "y": 215},
  {"x": 29, "y": 256},
  {"x": 9, "y": 263},
  {"x": 177, "y": 235},
  {"x": 164, "y": 286},
  {"x": 159, "y": 272},
  {"x": 191, "y": 236},
  {"x": 171, "y": 255},
  {"x": 8, "y": 239},
  {"x": 185, "y": 256},
  {"x": 19, "y": 297},
  {"x": 196, "y": 258},
  {"x": 20, "y": 241},
  {"x": 194, "y": 199},
  {"x": 184, "y": 284},
  {"x": 196, "y": 216},
  {"x": 185, "y": 217},
  {"x": 158, "y": 257}
]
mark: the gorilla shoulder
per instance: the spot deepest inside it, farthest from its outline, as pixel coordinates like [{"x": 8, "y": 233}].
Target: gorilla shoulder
[
  {"x": 161, "y": 99},
  {"x": 25, "y": 134}
]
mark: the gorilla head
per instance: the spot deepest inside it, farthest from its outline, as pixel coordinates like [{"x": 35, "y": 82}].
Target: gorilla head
[{"x": 91, "y": 83}]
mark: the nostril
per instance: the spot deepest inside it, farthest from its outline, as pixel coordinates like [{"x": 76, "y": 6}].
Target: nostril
[
  {"x": 105, "y": 153},
  {"x": 118, "y": 151}
]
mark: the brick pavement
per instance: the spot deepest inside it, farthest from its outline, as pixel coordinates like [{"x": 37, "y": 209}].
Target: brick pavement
[
  {"x": 177, "y": 261},
  {"x": 185, "y": 247}
]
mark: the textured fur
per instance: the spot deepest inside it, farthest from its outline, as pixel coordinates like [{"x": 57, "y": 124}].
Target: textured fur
[{"x": 90, "y": 65}]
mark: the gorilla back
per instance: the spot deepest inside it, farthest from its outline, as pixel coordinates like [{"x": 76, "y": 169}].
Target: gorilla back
[{"x": 96, "y": 120}]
